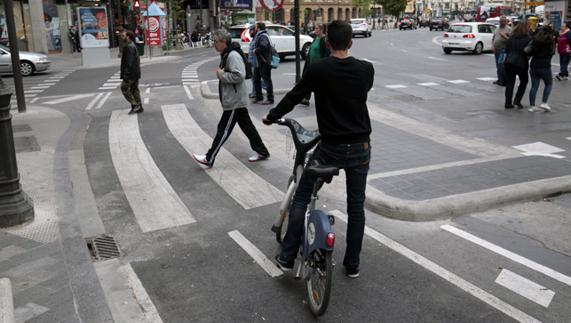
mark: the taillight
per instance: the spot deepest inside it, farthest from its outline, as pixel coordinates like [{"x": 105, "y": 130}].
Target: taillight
[
  {"x": 330, "y": 240},
  {"x": 469, "y": 36},
  {"x": 445, "y": 35},
  {"x": 244, "y": 36}
]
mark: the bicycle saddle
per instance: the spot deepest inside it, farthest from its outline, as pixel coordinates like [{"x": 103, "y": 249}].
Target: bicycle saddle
[{"x": 324, "y": 171}]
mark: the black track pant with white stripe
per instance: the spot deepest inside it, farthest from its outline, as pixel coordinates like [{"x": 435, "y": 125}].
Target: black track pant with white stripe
[{"x": 225, "y": 127}]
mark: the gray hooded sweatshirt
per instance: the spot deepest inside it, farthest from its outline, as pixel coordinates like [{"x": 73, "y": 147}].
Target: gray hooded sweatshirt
[{"x": 231, "y": 86}]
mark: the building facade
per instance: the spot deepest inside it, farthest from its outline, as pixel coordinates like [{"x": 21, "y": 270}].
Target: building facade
[{"x": 312, "y": 11}]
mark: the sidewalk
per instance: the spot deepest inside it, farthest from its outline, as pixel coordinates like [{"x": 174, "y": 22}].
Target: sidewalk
[{"x": 74, "y": 60}]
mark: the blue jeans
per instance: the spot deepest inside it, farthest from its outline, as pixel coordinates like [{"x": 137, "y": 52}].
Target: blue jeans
[
  {"x": 564, "y": 62},
  {"x": 538, "y": 74},
  {"x": 500, "y": 56},
  {"x": 354, "y": 159}
]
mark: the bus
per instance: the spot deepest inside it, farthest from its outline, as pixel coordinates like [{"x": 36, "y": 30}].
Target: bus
[{"x": 491, "y": 11}]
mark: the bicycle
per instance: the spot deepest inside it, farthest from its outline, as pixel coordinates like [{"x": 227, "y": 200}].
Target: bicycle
[{"x": 316, "y": 267}]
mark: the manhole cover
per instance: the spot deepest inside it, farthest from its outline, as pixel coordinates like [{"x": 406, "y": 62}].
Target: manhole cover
[{"x": 103, "y": 248}]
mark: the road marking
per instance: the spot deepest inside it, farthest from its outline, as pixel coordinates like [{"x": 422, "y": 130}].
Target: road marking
[
  {"x": 34, "y": 100},
  {"x": 28, "y": 312},
  {"x": 404, "y": 50},
  {"x": 458, "y": 81},
  {"x": 437, "y": 59},
  {"x": 110, "y": 85},
  {"x": 94, "y": 101},
  {"x": 188, "y": 93},
  {"x": 508, "y": 254},
  {"x": 33, "y": 91},
  {"x": 288, "y": 74},
  {"x": 445, "y": 274},
  {"x": 486, "y": 79},
  {"x": 540, "y": 149},
  {"x": 370, "y": 61},
  {"x": 103, "y": 101},
  {"x": 148, "y": 90},
  {"x": 40, "y": 87},
  {"x": 146, "y": 101},
  {"x": 154, "y": 202},
  {"x": 568, "y": 138},
  {"x": 428, "y": 84},
  {"x": 6, "y": 300},
  {"x": 242, "y": 184},
  {"x": 267, "y": 265},
  {"x": 396, "y": 86},
  {"x": 127, "y": 298},
  {"x": 525, "y": 287},
  {"x": 70, "y": 98},
  {"x": 48, "y": 82},
  {"x": 108, "y": 88}
]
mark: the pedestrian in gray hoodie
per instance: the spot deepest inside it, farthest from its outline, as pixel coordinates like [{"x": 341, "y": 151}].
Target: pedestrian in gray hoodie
[{"x": 234, "y": 99}]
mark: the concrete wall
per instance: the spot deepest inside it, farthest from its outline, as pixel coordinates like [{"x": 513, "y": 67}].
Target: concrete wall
[{"x": 39, "y": 36}]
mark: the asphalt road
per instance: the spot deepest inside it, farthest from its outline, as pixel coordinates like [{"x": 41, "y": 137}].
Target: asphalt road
[{"x": 509, "y": 264}]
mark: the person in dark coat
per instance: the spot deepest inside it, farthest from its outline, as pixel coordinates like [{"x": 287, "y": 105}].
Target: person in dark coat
[
  {"x": 542, "y": 50},
  {"x": 131, "y": 72},
  {"x": 516, "y": 63},
  {"x": 263, "y": 52}
]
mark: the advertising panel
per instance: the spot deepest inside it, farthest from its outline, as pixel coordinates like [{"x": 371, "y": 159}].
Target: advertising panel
[
  {"x": 93, "y": 27},
  {"x": 153, "y": 31},
  {"x": 241, "y": 4}
]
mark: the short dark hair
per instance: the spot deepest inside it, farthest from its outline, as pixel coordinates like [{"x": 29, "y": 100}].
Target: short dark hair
[
  {"x": 261, "y": 25},
  {"x": 130, "y": 34},
  {"x": 521, "y": 29},
  {"x": 339, "y": 35}
]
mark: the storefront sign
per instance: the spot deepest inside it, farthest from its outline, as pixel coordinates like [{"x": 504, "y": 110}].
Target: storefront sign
[
  {"x": 153, "y": 31},
  {"x": 239, "y": 4},
  {"x": 93, "y": 30}
]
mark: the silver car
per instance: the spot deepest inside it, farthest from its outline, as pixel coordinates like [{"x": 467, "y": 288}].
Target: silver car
[{"x": 29, "y": 62}]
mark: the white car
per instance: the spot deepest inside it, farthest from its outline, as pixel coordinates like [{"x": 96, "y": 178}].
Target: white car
[
  {"x": 282, "y": 37},
  {"x": 361, "y": 27},
  {"x": 29, "y": 62},
  {"x": 468, "y": 36}
]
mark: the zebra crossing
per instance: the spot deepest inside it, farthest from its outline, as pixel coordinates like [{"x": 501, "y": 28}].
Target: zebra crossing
[
  {"x": 37, "y": 84},
  {"x": 443, "y": 83},
  {"x": 112, "y": 83},
  {"x": 189, "y": 74}
]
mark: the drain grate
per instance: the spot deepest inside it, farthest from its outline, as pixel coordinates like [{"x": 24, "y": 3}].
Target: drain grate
[{"x": 103, "y": 247}]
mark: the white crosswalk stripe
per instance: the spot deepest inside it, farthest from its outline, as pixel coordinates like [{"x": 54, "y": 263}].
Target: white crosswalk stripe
[
  {"x": 153, "y": 201},
  {"x": 112, "y": 83},
  {"x": 242, "y": 184}
]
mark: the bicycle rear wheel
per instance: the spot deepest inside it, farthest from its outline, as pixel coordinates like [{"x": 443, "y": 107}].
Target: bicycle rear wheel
[{"x": 319, "y": 281}]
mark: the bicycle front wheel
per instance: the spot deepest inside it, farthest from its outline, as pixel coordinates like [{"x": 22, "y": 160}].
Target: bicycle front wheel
[{"x": 319, "y": 281}]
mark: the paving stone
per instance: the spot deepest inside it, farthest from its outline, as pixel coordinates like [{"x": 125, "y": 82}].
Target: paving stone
[{"x": 469, "y": 178}]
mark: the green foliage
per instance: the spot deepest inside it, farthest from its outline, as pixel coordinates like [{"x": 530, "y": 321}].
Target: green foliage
[
  {"x": 392, "y": 7},
  {"x": 364, "y": 5}
]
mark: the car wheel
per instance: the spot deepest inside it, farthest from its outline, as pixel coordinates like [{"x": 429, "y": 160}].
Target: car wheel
[
  {"x": 26, "y": 68},
  {"x": 478, "y": 49},
  {"x": 447, "y": 50},
  {"x": 305, "y": 50}
]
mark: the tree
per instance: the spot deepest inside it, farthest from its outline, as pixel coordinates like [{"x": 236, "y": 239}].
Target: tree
[
  {"x": 393, "y": 7},
  {"x": 364, "y": 5}
]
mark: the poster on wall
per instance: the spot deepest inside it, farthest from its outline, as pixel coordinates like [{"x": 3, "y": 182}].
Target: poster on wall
[
  {"x": 242, "y": 4},
  {"x": 93, "y": 27},
  {"x": 153, "y": 31}
]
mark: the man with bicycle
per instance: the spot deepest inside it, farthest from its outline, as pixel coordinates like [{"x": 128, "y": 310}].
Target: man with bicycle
[{"x": 340, "y": 83}]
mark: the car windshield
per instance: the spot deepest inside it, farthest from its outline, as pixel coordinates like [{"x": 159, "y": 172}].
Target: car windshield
[
  {"x": 357, "y": 21},
  {"x": 5, "y": 48},
  {"x": 236, "y": 32},
  {"x": 460, "y": 29}
]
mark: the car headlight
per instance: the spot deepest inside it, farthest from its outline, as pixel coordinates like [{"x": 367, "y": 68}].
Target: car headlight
[{"x": 42, "y": 59}]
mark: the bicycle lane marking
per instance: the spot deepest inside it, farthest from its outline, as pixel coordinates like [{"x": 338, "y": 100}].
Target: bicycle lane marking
[
  {"x": 267, "y": 265},
  {"x": 444, "y": 274},
  {"x": 242, "y": 184}
]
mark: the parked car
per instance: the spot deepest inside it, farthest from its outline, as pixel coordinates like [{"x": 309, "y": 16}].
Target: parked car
[
  {"x": 30, "y": 63},
  {"x": 361, "y": 27},
  {"x": 424, "y": 23},
  {"x": 468, "y": 36},
  {"x": 282, "y": 37},
  {"x": 407, "y": 23},
  {"x": 439, "y": 24}
]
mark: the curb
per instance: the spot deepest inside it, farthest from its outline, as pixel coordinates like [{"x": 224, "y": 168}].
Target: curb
[
  {"x": 6, "y": 301},
  {"x": 207, "y": 94},
  {"x": 450, "y": 206}
]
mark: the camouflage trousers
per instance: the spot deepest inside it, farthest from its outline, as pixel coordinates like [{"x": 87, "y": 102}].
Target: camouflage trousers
[{"x": 130, "y": 89}]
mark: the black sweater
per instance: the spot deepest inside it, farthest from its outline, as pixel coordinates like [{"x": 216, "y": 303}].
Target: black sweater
[
  {"x": 514, "y": 51},
  {"x": 542, "y": 50},
  {"x": 340, "y": 87}
]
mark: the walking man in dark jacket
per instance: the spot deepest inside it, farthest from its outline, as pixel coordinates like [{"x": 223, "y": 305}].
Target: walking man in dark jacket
[
  {"x": 263, "y": 52},
  {"x": 341, "y": 84},
  {"x": 131, "y": 72}
]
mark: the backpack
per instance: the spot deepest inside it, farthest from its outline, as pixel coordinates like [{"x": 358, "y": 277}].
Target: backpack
[
  {"x": 247, "y": 64},
  {"x": 274, "y": 56}
]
